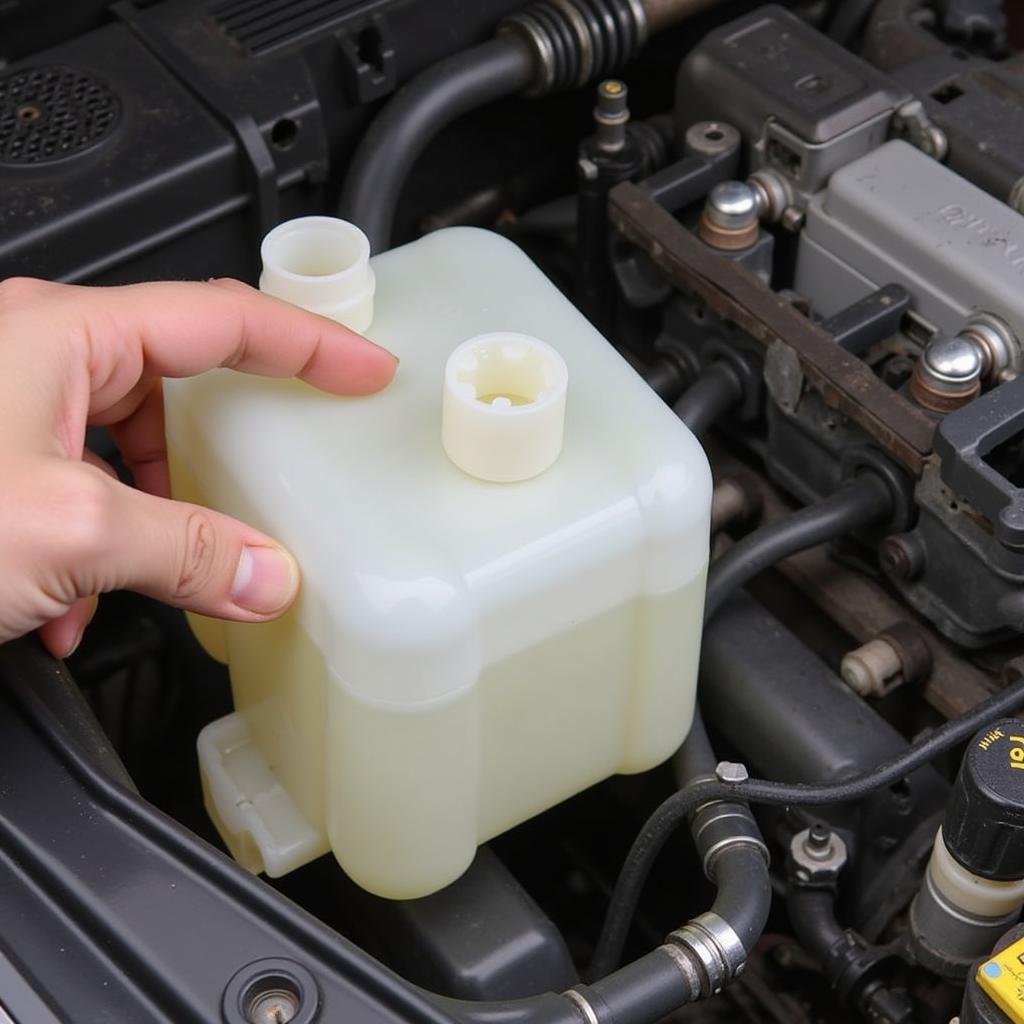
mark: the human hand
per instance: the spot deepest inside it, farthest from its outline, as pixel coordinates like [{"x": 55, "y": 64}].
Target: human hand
[{"x": 69, "y": 530}]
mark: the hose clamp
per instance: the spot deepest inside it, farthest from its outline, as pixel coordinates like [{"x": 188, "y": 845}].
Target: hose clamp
[
  {"x": 684, "y": 961},
  {"x": 527, "y": 28},
  {"x": 718, "y": 813},
  {"x": 715, "y": 851},
  {"x": 719, "y": 954},
  {"x": 587, "y": 1012}
]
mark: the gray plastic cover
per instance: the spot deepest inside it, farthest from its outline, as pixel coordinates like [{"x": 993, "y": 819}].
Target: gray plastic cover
[
  {"x": 770, "y": 65},
  {"x": 898, "y": 216}
]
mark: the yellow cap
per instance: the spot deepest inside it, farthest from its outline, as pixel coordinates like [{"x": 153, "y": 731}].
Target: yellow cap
[{"x": 1002, "y": 980}]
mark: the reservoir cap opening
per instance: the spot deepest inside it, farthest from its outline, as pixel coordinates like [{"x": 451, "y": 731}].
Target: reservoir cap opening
[
  {"x": 503, "y": 413},
  {"x": 323, "y": 265}
]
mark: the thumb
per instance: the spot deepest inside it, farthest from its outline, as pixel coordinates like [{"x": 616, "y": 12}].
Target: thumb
[{"x": 185, "y": 555}]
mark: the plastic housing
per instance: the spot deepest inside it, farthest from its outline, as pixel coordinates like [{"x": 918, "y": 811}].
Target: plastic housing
[{"x": 464, "y": 654}]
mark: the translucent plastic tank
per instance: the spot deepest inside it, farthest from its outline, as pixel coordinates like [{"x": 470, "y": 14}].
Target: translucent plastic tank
[{"x": 503, "y": 559}]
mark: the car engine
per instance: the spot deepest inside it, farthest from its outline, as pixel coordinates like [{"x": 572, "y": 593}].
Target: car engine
[{"x": 802, "y": 225}]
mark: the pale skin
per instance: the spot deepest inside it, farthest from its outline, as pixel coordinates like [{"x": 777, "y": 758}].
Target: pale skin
[{"x": 69, "y": 530}]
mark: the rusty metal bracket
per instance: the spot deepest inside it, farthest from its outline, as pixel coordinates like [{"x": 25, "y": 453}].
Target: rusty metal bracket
[{"x": 845, "y": 383}]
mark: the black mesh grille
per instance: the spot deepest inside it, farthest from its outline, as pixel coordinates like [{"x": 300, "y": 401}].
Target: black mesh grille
[{"x": 48, "y": 113}]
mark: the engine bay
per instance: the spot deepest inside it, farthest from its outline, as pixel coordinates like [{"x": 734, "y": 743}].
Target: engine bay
[{"x": 802, "y": 225}]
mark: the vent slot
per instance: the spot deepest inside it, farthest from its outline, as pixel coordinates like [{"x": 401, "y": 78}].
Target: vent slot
[{"x": 261, "y": 26}]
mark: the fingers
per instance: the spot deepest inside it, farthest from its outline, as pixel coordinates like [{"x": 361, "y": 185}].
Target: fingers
[
  {"x": 181, "y": 329},
  {"x": 177, "y": 329},
  {"x": 142, "y": 442},
  {"x": 184, "y": 555},
  {"x": 61, "y": 636}
]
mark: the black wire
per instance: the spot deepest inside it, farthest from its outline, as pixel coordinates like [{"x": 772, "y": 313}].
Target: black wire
[{"x": 675, "y": 810}]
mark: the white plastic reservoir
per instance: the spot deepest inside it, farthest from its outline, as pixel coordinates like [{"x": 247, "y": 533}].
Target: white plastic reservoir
[{"x": 503, "y": 560}]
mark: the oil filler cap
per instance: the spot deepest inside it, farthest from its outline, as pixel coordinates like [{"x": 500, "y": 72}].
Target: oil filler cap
[{"x": 984, "y": 824}]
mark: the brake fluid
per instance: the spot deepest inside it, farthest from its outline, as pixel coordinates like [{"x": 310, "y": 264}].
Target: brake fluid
[{"x": 503, "y": 560}]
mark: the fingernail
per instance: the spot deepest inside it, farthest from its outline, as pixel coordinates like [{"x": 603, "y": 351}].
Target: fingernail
[
  {"x": 76, "y": 643},
  {"x": 266, "y": 580},
  {"x": 370, "y": 341},
  {"x": 388, "y": 351}
]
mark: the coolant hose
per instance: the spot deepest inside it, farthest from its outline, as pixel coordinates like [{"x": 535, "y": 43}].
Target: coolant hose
[
  {"x": 733, "y": 855},
  {"x": 715, "y": 391},
  {"x": 812, "y": 913},
  {"x": 415, "y": 115},
  {"x": 729, "y": 844},
  {"x": 851, "y": 965},
  {"x": 863, "y": 501}
]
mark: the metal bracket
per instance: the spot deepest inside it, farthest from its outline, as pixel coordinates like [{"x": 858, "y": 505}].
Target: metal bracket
[{"x": 964, "y": 440}]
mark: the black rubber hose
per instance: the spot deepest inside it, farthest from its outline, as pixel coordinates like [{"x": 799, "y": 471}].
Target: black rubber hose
[
  {"x": 677, "y": 808},
  {"x": 848, "y": 961},
  {"x": 849, "y": 18},
  {"x": 862, "y": 501},
  {"x": 740, "y": 871},
  {"x": 715, "y": 391},
  {"x": 744, "y": 896},
  {"x": 415, "y": 115},
  {"x": 812, "y": 913}
]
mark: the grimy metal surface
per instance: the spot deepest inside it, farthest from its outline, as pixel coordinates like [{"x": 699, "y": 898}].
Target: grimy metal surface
[{"x": 845, "y": 382}]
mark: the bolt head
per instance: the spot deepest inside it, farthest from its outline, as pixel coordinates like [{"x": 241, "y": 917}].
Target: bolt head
[
  {"x": 898, "y": 558},
  {"x": 731, "y": 771},
  {"x": 732, "y": 205},
  {"x": 954, "y": 362}
]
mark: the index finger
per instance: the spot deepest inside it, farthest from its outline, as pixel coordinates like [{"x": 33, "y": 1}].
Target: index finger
[{"x": 179, "y": 329}]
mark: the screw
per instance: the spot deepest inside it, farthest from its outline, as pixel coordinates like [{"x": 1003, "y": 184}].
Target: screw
[
  {"x": 731, "y": 771},
  {"x": 274, "y": 1007},
  {"x": 901, "y": 557}
]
